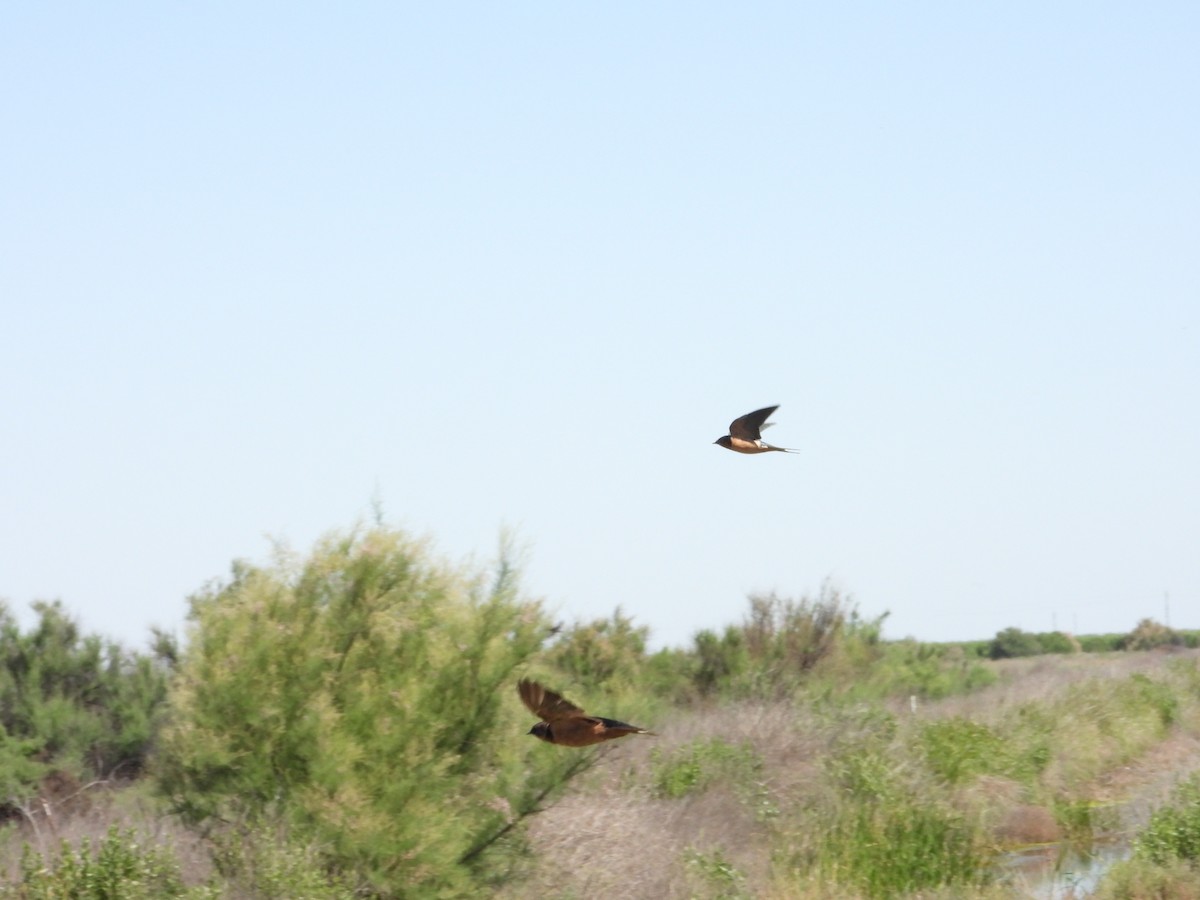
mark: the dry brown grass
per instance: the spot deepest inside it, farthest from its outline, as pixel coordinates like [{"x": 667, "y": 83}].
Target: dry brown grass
[
  {"x": 614, "y": 837},
  {"x": 624, "y": 845},
  {"x": 1038, "y": 678},
  {"x": 611, "y": 836}
]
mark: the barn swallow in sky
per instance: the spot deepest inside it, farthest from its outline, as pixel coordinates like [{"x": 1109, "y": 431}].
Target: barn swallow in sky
[
  {"x": 565, "y": 723},
  {"x": 745, "y": 433}
]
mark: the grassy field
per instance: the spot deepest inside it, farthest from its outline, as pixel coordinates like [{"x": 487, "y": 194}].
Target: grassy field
[
  {"x": 346, "y": 725},
  {"x": 779, "y": 798}
]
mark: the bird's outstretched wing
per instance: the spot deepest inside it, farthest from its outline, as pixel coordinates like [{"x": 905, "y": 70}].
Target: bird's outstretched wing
[
  {"x": 749, "y": 427},
  {"x": 545, "y": 703}
]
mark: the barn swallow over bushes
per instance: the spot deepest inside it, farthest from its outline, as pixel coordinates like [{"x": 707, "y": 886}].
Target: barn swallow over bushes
[
  {"x": 745, "y": 433},
  {"x": 565, "y": 723}
]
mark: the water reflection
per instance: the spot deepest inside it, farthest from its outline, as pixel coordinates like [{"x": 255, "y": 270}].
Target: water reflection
[{"x": 1063, "y": 871}]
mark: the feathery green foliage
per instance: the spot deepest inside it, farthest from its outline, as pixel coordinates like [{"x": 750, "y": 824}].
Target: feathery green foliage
[
  {"x": 364, "y": 698},
  {"x": 601, "y": 651}
]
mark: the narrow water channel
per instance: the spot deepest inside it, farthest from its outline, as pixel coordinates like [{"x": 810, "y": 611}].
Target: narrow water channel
[
  {"x": 1063, "y": 871},
  {"x": 1073, "y": 870}
]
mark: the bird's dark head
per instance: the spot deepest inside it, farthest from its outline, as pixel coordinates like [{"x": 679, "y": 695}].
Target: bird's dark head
[
  {"x": 541, "y": 730},
  {"x": 724, "y": 442}
]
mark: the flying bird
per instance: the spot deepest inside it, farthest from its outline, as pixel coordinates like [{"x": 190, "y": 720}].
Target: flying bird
[
  {"x": 565, "y": 723},
  {"x": 745, "y": 433}
]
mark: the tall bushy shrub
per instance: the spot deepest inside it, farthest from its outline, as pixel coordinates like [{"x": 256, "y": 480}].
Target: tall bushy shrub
[
  {"x": 1150, "y": 635},
  {"x": 600, "y": 651},
  {"x": 71, "y": 702},
  {"x": 783, "y": 643},
  {"x": 364, "y": 699},
  {"x": 1013, "y": 642}
]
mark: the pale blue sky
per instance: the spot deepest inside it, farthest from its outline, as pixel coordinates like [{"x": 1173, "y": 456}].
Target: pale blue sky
[{"x": 519, "y": 265}]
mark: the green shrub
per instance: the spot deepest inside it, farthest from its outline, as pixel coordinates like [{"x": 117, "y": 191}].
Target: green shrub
[
  {"x": 363, "y": 701},
  {"x": 671, "y": 676},
  {"x": 863, "y": 774},
  {"x": 1150, "y": 635},
  {"x": 1101, "y": 643},
  {"x": 1142, "y": 693},
  {"x": 720, "y": 661},
  {"x": 927, "y": 671},
  {"x": 1174, "y": 829},
  {"x": 784, "y": 644},
  {"x": 265, "y": 865},
  {"x": 598, "y": 652},
  {"x": 1058, "y": 642},
  {"x": 71, "y": 702},
  {"x": 119, "y": 868},
  {"x": 1013, "y": 642}
]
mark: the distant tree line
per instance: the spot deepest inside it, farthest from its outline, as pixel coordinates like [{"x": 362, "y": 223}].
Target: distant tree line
[{"x": 1148, "y": 635}]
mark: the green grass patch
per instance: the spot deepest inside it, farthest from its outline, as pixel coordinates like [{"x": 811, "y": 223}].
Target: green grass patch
[
  {"x": 898, "y": 847},
  {"x": 697, "y": 766},
  {"x": 958, "y": 749}
]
